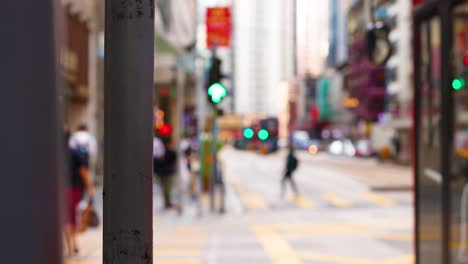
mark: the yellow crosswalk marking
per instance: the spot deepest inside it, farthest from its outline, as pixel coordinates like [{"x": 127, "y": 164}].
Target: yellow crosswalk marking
[
  {"x": 250, "y": 200},
  {"x": 83, "y": 261},
  {"x": 378, "y": 199},
  {"x": 395, "y": 237},
  {"x": 302, "y": 202},
  {"x": 177, "y": 261},
  {"x": 336, "y": 201},
  {"x": 334, "y": 259},
  {"x": 175, "y": 251},
  {"x": 277, "y": 248},
  {"x": 407, "y": 259}
]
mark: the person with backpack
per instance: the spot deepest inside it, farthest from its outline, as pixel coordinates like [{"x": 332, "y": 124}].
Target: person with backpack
[
  {"x": 165, "y": 169},
  {"x": 291, "y": 166}
]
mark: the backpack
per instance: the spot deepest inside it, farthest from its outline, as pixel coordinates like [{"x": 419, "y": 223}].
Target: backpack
[{"x": 293, "y": 163}]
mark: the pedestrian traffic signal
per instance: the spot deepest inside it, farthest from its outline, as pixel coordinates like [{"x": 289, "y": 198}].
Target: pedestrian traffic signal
[
  {"x": 465, "y": 60},
  {"x": 263, "y": 134},
  {"x": 217, "y": 92},
  {"x": 458, "y": 83},
  {"x": 248, "y": 133},
  {"x": 165, "y": 130}
]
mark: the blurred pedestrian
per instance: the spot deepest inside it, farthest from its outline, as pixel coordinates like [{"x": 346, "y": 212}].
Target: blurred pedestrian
[
  {"x": 187, "y": 176},
  {"x": 79, "y": 182},
  {"x": 83, "y": 141},
  {"x": 166, "y": 171},
  {"x": 291, "y": 166}
]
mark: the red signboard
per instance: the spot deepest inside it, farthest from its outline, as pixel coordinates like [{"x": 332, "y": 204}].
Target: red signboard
[
  {"x": 417, "y": 2},
  {"x": 218, "y": 26}
]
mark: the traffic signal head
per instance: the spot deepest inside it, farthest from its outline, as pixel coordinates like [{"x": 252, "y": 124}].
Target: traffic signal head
[
  {"x": 458, "y": 83},
  {"x": 215, "y": 74},
  {"x": 217, "y": 92},
  {"x": 248, "y": 133},
  {"x": 263, "y": 134},
  {"x": 465, "y": 60},
  {"x": 165, "y": 130}
]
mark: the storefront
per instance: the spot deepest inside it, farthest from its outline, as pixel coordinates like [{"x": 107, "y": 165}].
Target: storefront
[
  {"x": 440, "y": 49},
  {"x": 75, "y": 68}
]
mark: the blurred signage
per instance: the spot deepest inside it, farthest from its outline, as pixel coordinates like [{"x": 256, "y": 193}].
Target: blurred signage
[
  {"x": 218, "y": 26},
  {"x": 418, "y": 2}
]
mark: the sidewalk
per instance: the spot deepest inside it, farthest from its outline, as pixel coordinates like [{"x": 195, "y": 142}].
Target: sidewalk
[{"x": 178, "y": 237}]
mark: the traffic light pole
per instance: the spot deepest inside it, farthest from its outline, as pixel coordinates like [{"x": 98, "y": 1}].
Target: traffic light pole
[
  {"x": 32, "y": 145},
  {"x": 129, "y": 70},
  {"x": 214, "y": 159}
]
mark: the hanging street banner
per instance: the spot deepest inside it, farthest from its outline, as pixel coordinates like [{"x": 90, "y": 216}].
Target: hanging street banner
[{"x": 218, "y": 27}]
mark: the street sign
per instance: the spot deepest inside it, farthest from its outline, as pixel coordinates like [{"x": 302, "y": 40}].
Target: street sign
[{"x": 218, "y": 27}]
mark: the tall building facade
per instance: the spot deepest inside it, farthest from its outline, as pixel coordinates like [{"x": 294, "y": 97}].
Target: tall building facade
[
  {"x": 263, "y": 43},
  {"x": 312, "y": 22}
]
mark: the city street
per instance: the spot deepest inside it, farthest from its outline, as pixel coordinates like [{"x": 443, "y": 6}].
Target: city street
[{"x": 352, "y": 213}]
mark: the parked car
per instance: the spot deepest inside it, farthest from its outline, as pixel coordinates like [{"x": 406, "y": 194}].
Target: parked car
[
  {"x": 363, "y": 148},
  {"x": 342, "y": 147},
  {"x": 302, "y": 141}
]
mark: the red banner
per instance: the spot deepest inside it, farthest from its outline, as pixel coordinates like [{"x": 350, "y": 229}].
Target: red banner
[
  {"x": 417, "y": 2},
  {"x": 218, "y": 26}
]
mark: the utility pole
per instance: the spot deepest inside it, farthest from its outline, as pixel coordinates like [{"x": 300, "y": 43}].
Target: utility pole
[
  {"x": 32, "y": 140},
  {"x": 214, "y": 158},
  {"x": 128, "y": 125}
]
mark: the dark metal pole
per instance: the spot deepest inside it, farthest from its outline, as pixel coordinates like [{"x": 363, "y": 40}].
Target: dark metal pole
[
  {"x": 32, "y": 144},
  {"x": 129, "y": 60},
  {"x": 446, "y": 136},
  {"x": 214, "y": 159}
]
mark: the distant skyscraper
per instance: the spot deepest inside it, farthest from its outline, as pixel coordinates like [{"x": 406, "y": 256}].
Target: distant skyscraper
[
  {"x": 312, "y": 36},
  {"x": 338, "y": 42},
  {"x": 264, "y": 53}
]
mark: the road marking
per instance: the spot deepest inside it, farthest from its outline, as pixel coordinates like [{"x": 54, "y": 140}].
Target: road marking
[
  {"x": 395, "y": 237},
  {"x": 302, "y": 202},
  {"x": 336, "y": 201},
  {"x": 83, "y": 261},
  {"x": 277, "y": 248},
  {"x": 378, "y": 199},
  {"x": 407, "y": 259},
  {"x": 177, "y": 261},
  {"x": 175, "y": 251},
  {"x": 250, "y": 200},
  {"x": 334, "y": 259}
]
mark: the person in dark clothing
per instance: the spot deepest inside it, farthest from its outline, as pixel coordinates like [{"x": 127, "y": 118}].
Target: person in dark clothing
[
  {"x": 165, "y": 169},
  {"x": 79, "y": 181},
  {"x": 291, "y": 166}
]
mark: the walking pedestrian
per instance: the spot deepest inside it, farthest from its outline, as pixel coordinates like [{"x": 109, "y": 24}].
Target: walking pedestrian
[
  {"x": 291, "y": 166},
  {"x": 79, "y": 182},
  {"x": 83, "y": 140},
  {"x": 166, "y": 171}
]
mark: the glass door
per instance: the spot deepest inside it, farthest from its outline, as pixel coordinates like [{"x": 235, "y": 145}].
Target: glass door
[
  {"x": 428, "y": 141},
  {"x": 459, "y": 142}
]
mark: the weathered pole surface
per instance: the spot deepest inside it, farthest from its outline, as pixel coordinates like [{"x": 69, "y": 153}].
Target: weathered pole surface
[
  {"x": 128, "y": 124},
  {"x": 32, "y": 145}
]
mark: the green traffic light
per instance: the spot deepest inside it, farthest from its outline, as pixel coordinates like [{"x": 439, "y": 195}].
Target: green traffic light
[
  {"x": 263, "y": 134},
  {"x": 217, "y": 92},
  {"x": 458, "y": 83},
  {"x": 248, "y": 133}
]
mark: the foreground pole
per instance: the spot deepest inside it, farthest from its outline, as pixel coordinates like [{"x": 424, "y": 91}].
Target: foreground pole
[
  {"x": 31, "y": 138},
  {"x": 129, "y": 59}
]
